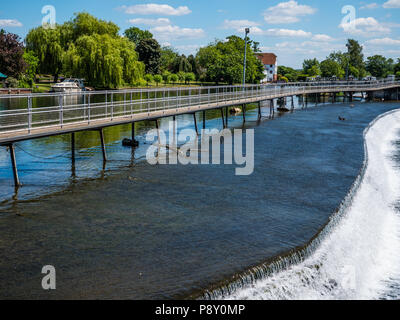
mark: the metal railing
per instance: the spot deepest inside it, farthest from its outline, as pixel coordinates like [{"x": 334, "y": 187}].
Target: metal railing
[{"x": 31, "y": 111}]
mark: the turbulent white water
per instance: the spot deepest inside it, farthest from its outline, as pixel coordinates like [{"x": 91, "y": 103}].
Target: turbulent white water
[{"x": 359, "y": 256}]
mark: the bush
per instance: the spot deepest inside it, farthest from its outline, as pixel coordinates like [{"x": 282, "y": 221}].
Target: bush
[
  {"x": 12, "y": 82},
  {"x": 190, "y": 77},
  {"x": 158, "y": 79},
  {"x": 148, "y": 78},
  {"x": 174, "y": 78}
]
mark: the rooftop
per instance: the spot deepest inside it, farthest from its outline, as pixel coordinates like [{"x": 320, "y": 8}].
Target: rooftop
[{"x": 267, "y": 58}]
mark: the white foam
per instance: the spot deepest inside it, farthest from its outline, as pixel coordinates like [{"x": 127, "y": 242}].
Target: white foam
[{"x": 359, "y": 257}]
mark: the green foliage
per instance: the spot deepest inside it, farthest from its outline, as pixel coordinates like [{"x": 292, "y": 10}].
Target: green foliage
[
  {"x": 166, "y": 77},
  {"x": 190, "y": 77},
  {"x": 182, "y": 64},
  {"x": 136, "y": 35},
  {"x": 174, "y": 78},
  {"x": 104, "y": 61},
  {"x": 32, "y": 63},
  {"x": 356, "y": 57},
  {"x": 379, "y": 66},
  {"x": 330, "y": 68},
  {"x": 89, "y": 48},
  {"x": 168, "y": 56},
  {"x": 398, "y": 75},
  {"x": 148, "y": 78},
  {"x": 311, "y": 67},
  {"x": 181, "y": 76},
  {"x": 289, "y": 73},
  {"x": 158, "y": 79},
  {"x": 12, "y": 82},
  {"x": 150, "y": 54},
  {"x": 222, "y": 61}
]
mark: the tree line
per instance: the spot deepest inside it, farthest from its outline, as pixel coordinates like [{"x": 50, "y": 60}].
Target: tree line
[
  {"x": 343, "y": 65},
  {"x": 93, "y": 49}
]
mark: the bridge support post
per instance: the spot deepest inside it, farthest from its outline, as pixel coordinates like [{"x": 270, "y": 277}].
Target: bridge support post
[
  {"x": 133, "y": 131},
  {"x": 226, "y": 116},
  {"x": 158, "y": 131},
  {"x": 259, "y": 110},
  {"x": 292, "y": 106},
  {"x": 14, "y": 166},
  {"x": 73, "y": 148},
  {"x": 195, "y": 123},
  {"x": 316, "y": 99},
  {"x": 103, "y": 145},
  {"x": 244, "y": 112},
  {"x": 222, "y": 117},
  {"x": 204, "y": 120}
]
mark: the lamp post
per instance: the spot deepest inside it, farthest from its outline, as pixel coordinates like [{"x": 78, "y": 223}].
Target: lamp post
[{"x": 247, "y": 31}]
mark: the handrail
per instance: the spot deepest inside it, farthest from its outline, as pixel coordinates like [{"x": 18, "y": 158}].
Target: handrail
[{"x": 31, "y": 111}]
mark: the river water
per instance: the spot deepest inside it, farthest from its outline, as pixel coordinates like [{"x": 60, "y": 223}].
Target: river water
[{"x": 130, "y": 230}]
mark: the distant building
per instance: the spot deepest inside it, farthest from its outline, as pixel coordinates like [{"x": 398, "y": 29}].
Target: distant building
[{"x": 269, "y": 61}]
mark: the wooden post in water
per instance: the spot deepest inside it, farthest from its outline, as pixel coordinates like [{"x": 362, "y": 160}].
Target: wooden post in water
[
  {"x": 222, "y": 116},
  {"x": 195, "y": 123},
  {"x": 204, "y": 119},
  {"x": 14, "y": 165},
  {"x": 259, "y": 110},
  {"x": 226, "y": 117},
  {"x": 244, "y": 112},
  {"x": 103, "y": 145},
  {"x": 73, "y": 148},
  {"x": 292, "y": 107}
]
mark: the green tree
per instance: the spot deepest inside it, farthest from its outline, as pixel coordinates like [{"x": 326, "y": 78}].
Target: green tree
[
  {"x": 190, "y": 77},
  {"x": 181, "y": 76},
  {"x": 148, "y": 78},
  {"x": 356, "y": 56},
  {"x": 158, "y": 79},
  {"x": 330, "y": 68},
  {"x": 168, "y": 56},
  {"x": 379, "y": 66},
  {"x": 311, "y": 67},
  {"x": 222, "y": 61},
  {"x": 150, "y": 54},
  {"x": 166, "y": 77},
  {"x": 174, "y": 78},
  {"x": 181, "y": 63},
  {"x": 136, "y": 35},
  {"x": 32, "y": 63},
  {"x": 289, "y": 73},
  {"x": 396, "y": 67}
]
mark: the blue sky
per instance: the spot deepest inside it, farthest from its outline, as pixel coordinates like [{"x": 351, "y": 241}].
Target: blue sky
[{"x": 292, "y": 29}]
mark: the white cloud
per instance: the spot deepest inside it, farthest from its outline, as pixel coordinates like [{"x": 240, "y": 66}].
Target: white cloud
[
  {"x": 287, "y": 12},
  {"x": 239, "y": 24},
  {"x": 384, "y": 42},
  {"x": 373, "y": 5},
  {"x": 322, "y": 37},
  {"x": 10, "y": 23},
  {"x": 392, "y": 4},
  {"x": 288, "y": 33},
  {"x": 167, "y": 33},
  {"x": 367, "y": 27},
  {"x": 151, "y": 22},
  {"x": 156, "y": 9}
]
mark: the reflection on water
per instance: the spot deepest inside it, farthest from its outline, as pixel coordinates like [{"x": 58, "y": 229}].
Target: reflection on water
[{"x": 131, "y": 230}]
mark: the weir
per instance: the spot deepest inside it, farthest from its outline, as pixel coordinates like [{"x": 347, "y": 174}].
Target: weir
[{"x": 94, "y": 111}]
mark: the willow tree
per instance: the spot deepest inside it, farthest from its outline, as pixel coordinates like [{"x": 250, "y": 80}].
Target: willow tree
[
  {"x": 47, "y": 45},
  {"x": 89, "y": 48},
  {"x": 104, "y": 61}
]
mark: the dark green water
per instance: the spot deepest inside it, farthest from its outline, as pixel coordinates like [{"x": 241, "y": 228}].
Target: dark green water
[{"x": 134, "y": 231}]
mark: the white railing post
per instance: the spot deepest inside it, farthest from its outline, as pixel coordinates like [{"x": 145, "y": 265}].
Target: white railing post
[
  {"x": 60, "y": 102},
  {"x": 29, "y": 114}
]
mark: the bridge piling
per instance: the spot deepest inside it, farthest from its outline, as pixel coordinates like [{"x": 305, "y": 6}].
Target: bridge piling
[
  {"x": 195, "y": 123},
  {"x": 259, "y": 110},
  {"x": 223, "y": 118},
  {"x": 244, "y": 112},
  {"x": 103, "y": 145},
  {"x": 73, "y": 148},
  {"x": 14, "y": 165},
  {"x": 204, "y": 120}
]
